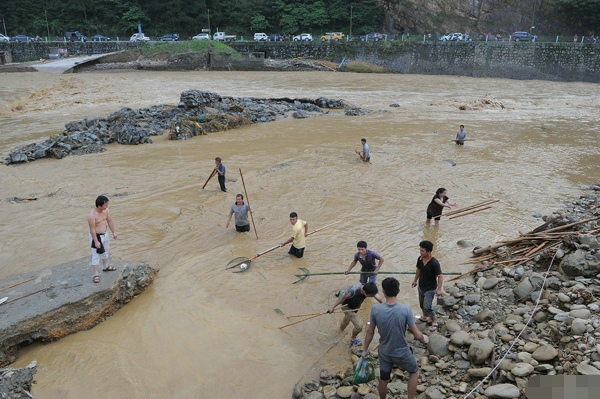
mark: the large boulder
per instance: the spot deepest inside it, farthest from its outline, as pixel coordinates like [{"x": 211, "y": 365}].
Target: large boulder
[
  {"x": 438, "y": 345},
  {"x": 580, "y": 263},
  {"x": 480, "y": 350}
]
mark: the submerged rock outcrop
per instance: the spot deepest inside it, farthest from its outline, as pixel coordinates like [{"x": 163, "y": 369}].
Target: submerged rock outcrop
[{"x": 198, "y": 113}]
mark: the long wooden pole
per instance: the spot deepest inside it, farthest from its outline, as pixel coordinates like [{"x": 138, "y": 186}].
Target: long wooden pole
[
  {"x": 15, "y": 284},
  {"x": 468, "y": 208},
  {"x": 317, "y": 315},
  {"x": 324, "y": 227},
  {"x": 248, "y": 199},
  {"x": 468, "y": 213},
  {"x": 209, "y": 177}
]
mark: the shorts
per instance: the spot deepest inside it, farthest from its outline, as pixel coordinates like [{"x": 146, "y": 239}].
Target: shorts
[
  {"x": 297, "y": 252},
  {"x": 460, "y": 142},
  {"x": 430, "y": 216},
  {"x": 367, "y": 159},
  {"x": 351, "y": 317},
  {"x": 96, "y": 256},
  {"x": 407, "y": 363},
  {"x": 241, "y": 229}
]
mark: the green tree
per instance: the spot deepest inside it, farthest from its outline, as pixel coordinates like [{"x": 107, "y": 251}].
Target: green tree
[
  {"x": 585, "y": 13},
  {"x": 259, "y": 23}
]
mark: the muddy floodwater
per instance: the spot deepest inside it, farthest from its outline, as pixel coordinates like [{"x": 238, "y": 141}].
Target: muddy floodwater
[{"x": 202, "y": 332}]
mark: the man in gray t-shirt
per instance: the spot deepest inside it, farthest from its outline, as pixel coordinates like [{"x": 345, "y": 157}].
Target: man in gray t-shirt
[
  {"x": 240, "y": 209},
  {"x": 391, "y": 320}
]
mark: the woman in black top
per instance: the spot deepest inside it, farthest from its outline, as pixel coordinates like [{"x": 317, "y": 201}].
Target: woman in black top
[{"x": 438, "y": 202}]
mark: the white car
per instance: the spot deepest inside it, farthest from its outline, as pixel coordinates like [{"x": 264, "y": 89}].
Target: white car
[
  {"x": 139, "y": 37},
  {"x": 201, "y": 36},
  {"x": 4, "y": 38},
  {"x": 261, "y": 37},
  {"x": 453, "y": 37},
  {"x": 303, "y": 37}
]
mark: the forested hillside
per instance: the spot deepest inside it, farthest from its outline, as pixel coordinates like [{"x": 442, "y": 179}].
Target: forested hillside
[{"x": 244, "y": 17}]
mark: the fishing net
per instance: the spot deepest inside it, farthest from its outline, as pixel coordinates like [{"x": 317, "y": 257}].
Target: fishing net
[{"x": 239, "y": 265}]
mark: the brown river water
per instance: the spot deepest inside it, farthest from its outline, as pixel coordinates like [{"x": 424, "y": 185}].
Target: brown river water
[{"x": 201, "y": 331}]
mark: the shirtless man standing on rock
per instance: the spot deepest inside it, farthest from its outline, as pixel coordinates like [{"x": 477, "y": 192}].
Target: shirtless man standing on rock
[{"x": 98, "y": 219}]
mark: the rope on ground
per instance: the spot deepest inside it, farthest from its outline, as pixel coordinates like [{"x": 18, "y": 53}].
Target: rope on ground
[{"x": 537, "y": 304}]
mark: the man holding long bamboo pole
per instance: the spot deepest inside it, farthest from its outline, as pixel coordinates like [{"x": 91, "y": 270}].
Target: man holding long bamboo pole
[
  {"x": 298, "y": 238},
  {"x": 351, "y": 299}
]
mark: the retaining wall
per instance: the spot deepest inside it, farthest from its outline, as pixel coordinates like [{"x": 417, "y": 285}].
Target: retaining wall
[{"x": 512, "y": 60}]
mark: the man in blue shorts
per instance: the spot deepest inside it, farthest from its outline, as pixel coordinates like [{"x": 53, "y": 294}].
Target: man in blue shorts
[
  {"x": 391, "y": 320},
  {"x": 367, "y": 258}
]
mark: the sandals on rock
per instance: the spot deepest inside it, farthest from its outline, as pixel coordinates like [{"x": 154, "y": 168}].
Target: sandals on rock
[
  {"x": 420, "y": 320},
  {"x": 96, "y": 279},
  {"x": 109, "y": 269},
  {"x": 434, "y": 326}
]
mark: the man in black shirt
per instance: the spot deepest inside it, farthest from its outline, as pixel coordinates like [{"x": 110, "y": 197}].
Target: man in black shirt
[{"x": 430, "y": 279}]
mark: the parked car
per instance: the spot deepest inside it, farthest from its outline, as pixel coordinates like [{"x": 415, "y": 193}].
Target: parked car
[
  {"x": 336, "y": 36},
  {"x": 276, "y": 37},
  {"x": 139, "y": 37},
  {"x": 75, "y": 36},
  {"x": 100, "y": 38},
  {"x": 372, "y": 36},
  {"x": 453, "y": 37},
  {"x": 303, "y": 37},
  {"x": 260, "y": 37},
  {"x": 169, "y": 37},
  {"x": 201, "y": 36},
  {"x": 525, "y": 36},
  {"x": 21, "y": 38},
  {"x": 4, "y": 38}
]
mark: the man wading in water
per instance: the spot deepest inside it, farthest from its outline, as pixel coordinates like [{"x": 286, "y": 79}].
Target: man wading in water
[
  {"x": 367, "y": 258},
  {"x": 298, "y": 238},
  {"x": 98, "y": 219},
  {"x": 240, "y": 209}
]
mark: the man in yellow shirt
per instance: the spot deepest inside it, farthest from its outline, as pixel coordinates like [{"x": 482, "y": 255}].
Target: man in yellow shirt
[{"x": 298, "y": 240}]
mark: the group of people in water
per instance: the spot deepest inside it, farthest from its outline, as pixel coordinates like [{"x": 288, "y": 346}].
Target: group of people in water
[{"x": 389, "y": 317}]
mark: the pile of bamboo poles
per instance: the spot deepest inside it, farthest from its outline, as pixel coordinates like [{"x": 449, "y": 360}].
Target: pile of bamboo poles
[
  {"x": 467, "y": 210},
  {"x": 524, "y": 248}
]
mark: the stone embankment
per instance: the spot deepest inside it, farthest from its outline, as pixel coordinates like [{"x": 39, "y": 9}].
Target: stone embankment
[
  {"x": 506, "y": 324},
  {"x": 198, "y": 113},
  {"x": 58, "y": 301}
]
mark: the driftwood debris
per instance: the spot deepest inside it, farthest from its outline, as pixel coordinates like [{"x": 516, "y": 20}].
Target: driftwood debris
[{"x": 524, "y": 248}]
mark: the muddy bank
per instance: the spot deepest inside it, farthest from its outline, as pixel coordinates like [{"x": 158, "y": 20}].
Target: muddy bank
[{"x": 530, "y": 308}]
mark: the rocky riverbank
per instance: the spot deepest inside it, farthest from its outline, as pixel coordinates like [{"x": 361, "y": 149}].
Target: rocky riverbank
[
  {"x": 198, "y": 113},
  {"x": 503, "y": 325}
]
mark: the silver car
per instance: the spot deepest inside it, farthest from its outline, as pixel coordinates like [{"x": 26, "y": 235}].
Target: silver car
[{"x": 4, "y": 38}]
